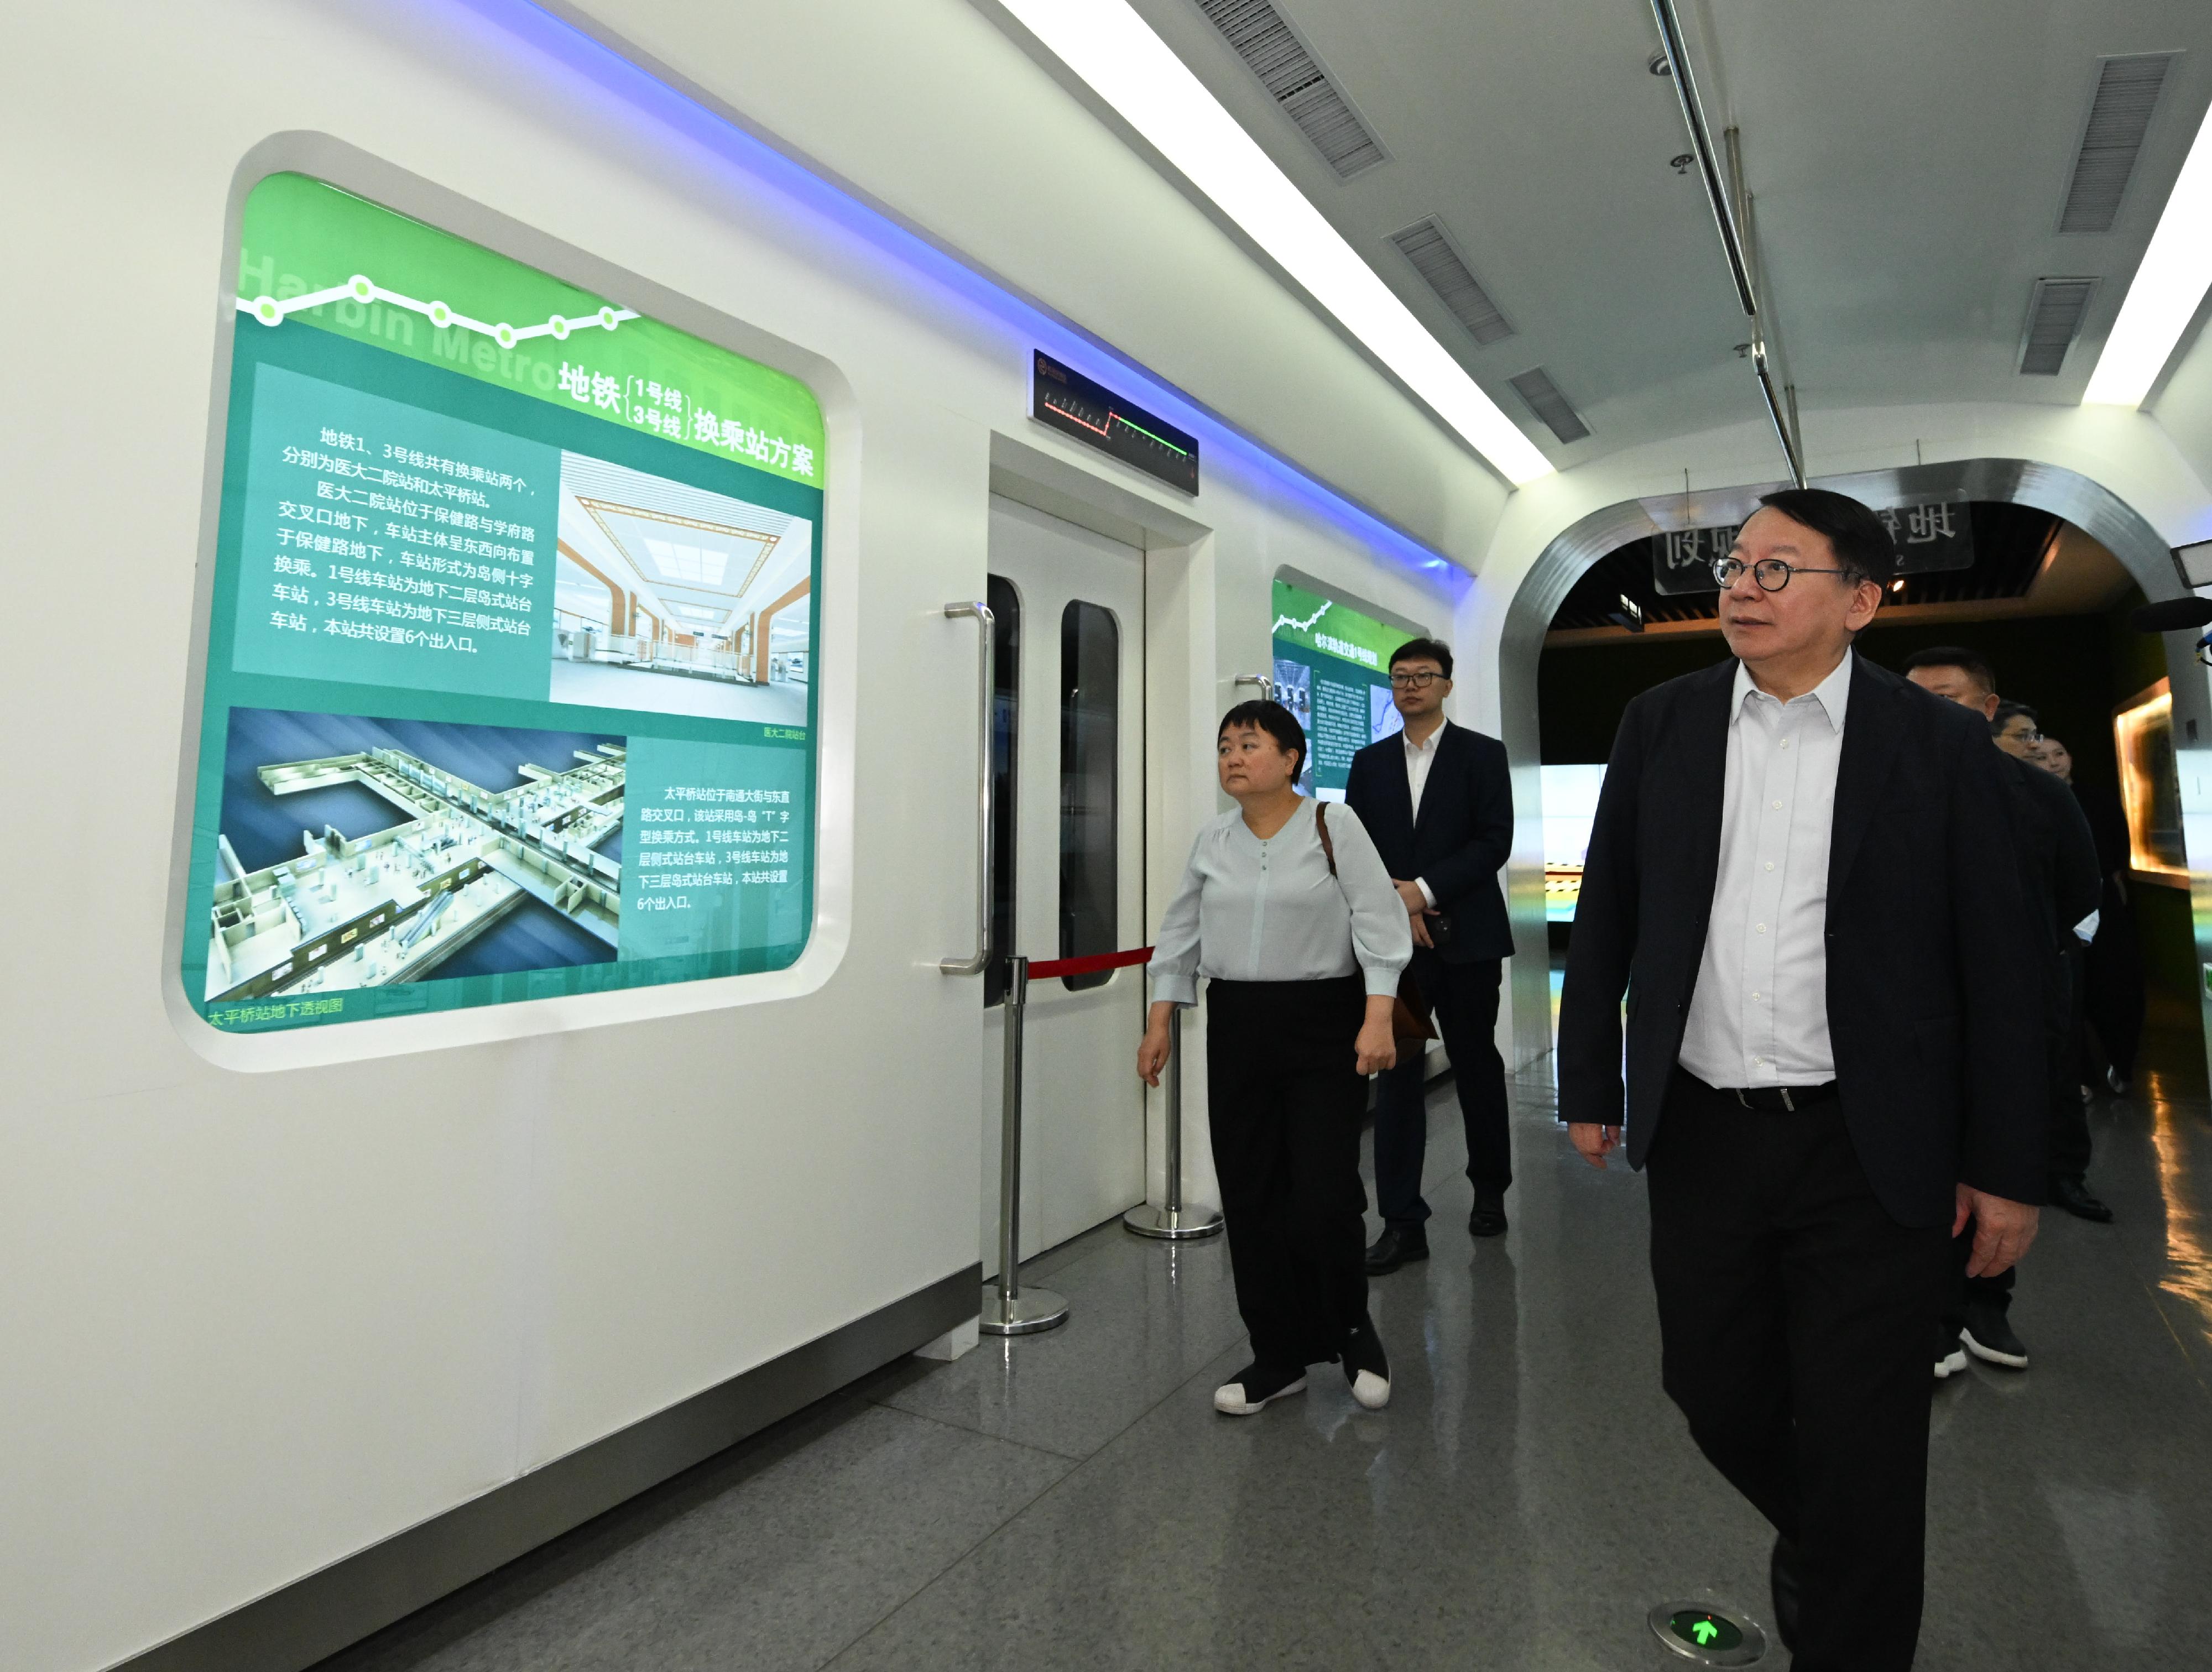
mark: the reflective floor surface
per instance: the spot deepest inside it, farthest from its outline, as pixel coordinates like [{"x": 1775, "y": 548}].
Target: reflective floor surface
[{"x": 1070, "y": 1500}]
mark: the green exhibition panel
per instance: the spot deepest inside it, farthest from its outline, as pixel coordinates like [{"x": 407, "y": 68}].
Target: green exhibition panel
[
  {"x": 510, "y": 658},
  {"x": 1333, "y": 672}
]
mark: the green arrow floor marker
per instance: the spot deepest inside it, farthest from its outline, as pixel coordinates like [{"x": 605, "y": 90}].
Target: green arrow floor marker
[{"x": 1704, "y": 1631}]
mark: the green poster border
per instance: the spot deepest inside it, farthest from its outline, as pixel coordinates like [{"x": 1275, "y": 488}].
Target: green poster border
[{"x": 336, "y": 356}]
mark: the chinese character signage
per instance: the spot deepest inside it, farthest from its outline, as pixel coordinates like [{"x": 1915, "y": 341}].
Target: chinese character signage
[
  {"x": 1930, "y": 537},
  {"x": 1333, "y": 672},
  {"x": 509, "y": 672}
]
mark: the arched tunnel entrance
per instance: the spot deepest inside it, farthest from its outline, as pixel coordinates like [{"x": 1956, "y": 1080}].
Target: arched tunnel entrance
[{"x": 2033, "y": 565}]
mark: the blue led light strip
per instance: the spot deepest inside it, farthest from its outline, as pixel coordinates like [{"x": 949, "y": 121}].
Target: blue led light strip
[{"x": 693, "y": 113}]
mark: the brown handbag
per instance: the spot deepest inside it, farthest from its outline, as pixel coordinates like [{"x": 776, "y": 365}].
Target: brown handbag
[{"x": 1408, "y": 1017}]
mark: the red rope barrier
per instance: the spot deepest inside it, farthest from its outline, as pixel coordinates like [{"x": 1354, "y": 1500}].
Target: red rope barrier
[{"x": 1049, "y": 967}]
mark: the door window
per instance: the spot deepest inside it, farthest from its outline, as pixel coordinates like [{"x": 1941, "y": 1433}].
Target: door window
[
  {"x": 1006, "y": 713},
  {"x": 1089, "y": 750}
]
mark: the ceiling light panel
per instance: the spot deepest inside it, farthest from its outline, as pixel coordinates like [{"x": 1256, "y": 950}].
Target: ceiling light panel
[
  {"x": 678, "y": 560},
  {"x": 1131, "y": 69},
  {"x": 1271, "y": 49},
  {"x": 2119, "y": 115},
  {"x": 2175, "y": 272},
  {"x": 1429, "y": 247}
]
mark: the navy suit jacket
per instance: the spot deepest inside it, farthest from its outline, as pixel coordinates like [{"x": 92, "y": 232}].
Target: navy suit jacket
[
  {"x": 1463, "y": 835},
  {"x": 1934, "y": 961}
]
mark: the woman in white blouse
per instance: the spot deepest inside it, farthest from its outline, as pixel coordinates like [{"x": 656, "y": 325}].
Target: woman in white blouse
[{"x": 1286, "y": 908}]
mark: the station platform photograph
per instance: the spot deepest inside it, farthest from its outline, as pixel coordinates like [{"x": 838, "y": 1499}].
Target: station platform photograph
[{"x": 992, "y": 835}]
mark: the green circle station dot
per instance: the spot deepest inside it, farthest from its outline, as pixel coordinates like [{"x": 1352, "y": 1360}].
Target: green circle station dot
[
  {"x": 607, "y": 318},
  {"x": 361, "y": 287}
]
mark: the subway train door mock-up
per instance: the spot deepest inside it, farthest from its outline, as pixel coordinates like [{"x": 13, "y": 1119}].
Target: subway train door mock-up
[{"x": 1068, "y": 870}]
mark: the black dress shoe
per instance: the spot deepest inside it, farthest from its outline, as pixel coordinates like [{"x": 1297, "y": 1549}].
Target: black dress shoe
[
  {"x": 2073, "y": 1195},
  {"x": 1488, "y": 1219},
  {"x": 1394, "y": 1247},
  {"x": 1781, "y": 1584}
]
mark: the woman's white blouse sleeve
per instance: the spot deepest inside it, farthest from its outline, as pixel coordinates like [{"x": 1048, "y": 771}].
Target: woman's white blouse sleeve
[
  {"x": 1382, "y": 932},
  {"x": 1175, "y": 952}
]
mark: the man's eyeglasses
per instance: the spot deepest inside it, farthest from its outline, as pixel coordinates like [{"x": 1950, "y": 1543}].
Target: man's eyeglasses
[
  {"x": 1771, "y": 572},
  {"x": 1425, "y": 678}
]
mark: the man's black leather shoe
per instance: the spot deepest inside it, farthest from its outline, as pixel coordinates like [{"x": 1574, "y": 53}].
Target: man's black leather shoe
[
  {"x": 2073, "y": 1195},
  {"x": 1488, "y": 1219},
  {"x": 1394, "y": 1247},
  {"x": 1781, "y": 1584}
]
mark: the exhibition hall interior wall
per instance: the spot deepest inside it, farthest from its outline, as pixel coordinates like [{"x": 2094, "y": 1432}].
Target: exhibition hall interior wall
[{"x": 275, "y": 1298}]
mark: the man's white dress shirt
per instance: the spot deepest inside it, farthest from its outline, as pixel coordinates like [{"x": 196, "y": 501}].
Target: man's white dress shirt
[
  {"x": 1759, "y": 1013},
  {"x": 1419, "y": 757}
]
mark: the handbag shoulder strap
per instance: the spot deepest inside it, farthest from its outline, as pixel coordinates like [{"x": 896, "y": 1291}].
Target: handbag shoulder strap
[{"x": 1320, "y": 825}]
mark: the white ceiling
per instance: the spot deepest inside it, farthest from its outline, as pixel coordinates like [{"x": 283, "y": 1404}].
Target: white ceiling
[{"x": 1907, "y": 161}]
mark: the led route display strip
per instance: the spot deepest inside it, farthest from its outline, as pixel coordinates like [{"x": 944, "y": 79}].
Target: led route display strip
[{"x": 1071, "y": 402}]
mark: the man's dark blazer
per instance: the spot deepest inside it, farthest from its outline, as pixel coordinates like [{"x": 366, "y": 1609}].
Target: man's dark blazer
[
  {"x": 1463, "y": 835},
  {"x": 1935, "y": 1002}
]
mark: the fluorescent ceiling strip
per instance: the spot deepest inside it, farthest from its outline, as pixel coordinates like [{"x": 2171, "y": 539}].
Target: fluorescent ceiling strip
[
  {"x": 1108, "y": 44},
  {"x": 2175, "y": 273}
]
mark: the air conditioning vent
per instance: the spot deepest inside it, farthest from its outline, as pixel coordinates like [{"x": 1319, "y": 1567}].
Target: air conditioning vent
[
  {"x": 1429, "y": 247},
  {"x": 2119, "y": 116},
  {"x": 1272, "y": 50},
  {"x": 1546, "y": 401},
  {"x": 2054, "y": 320}
]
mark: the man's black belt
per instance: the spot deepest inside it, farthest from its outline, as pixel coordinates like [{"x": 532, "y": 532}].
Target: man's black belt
[{"x": 1770, "y": 1099}]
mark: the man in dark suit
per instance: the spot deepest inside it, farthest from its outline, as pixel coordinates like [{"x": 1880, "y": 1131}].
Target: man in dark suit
[
  {"x": 1801, "y": 870},
  {"x": 2059, "y": 885},
  {"x": 1438, "y": 802}
]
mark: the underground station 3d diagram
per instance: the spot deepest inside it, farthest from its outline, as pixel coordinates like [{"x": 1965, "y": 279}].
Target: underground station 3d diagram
[{"x": 392, "y": 906}]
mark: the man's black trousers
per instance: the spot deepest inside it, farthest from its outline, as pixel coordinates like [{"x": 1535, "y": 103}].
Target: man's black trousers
[
  {"x": 1795, "y": 1318},
  {"x": 1284, "y": 1099},
  {"x": 1464, "y": 1000}
]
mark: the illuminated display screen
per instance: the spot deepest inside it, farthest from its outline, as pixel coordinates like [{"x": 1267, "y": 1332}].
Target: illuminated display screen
[
  {"x": 1570, "y": 808},
  {"x": 508, "y": 675},
  {"x": 1333, "y": 672},
  {"x": 2150, "y": 788},
  {"x": 1070, "y": 402}
]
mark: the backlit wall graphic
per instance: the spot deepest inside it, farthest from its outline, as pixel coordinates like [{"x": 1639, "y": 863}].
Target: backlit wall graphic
[{"x": 509, "y": 665}]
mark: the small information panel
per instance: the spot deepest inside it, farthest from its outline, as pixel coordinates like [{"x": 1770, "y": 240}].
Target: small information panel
[
  {"x": 508, "y": 688},
  {"x": 1333, "y": 672},
  {"x": 1070, "y": 402}
]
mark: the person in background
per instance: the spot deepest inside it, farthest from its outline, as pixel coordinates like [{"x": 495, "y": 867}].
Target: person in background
[
  {"x": 1799, "y": 873},
  {"x": 1438, "y": 800},
  {"x": 2013, "y": 725},
  {"x": 2111, "y": 1000},
  {"x": 2058, "y": 863},
  {"x": 1287, "y": 910},
  {"x": 2056, "y": 758}
]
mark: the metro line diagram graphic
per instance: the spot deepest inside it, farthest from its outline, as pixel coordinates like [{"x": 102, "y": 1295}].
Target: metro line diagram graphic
[
  {"x": 1305, "y": 626},
  {"x": 360, "y": 289}
]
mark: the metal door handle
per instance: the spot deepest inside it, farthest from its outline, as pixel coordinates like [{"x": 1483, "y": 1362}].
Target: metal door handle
[
  {"x": 985, "y": 691},
  {"x": 1266, "y": 685}
]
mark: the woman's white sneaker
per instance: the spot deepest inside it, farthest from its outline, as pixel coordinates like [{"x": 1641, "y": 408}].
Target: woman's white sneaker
[{"x": 1254, "y": 1389}]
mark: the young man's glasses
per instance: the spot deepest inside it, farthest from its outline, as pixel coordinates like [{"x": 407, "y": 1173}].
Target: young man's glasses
[
  {"x": 1421, "y": 678},
  {"x": 1771, "y": 572}
]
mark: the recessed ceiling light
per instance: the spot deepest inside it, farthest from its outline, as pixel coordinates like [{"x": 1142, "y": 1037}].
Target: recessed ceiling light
[
  {"x": 2175, "y": 272},
  {"x": 1128, "y": 66}
]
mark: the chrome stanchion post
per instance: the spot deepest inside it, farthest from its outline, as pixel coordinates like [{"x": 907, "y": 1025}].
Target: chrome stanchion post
[
  {"x": 1173, "y": 1222},
  {"x": 1008, "y": 1309}
]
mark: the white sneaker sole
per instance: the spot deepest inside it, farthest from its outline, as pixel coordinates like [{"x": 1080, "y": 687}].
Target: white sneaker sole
[
  {"x": 1951, "y": 1363},
  {"x": 2010, "y": 1361},
  {"x": 1372, "y": 1391},
  {"x": 1228, "y": 1398}
]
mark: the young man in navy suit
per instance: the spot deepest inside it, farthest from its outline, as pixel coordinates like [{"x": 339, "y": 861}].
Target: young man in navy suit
[{"x": 1438, "y": 802}]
